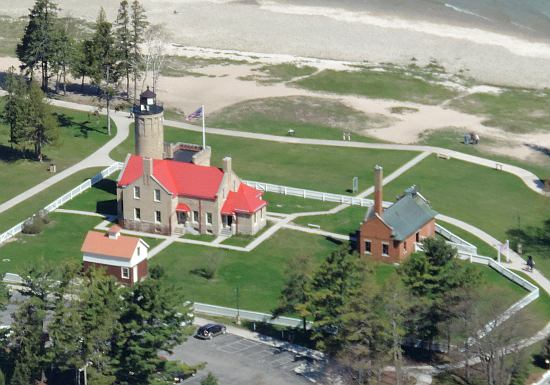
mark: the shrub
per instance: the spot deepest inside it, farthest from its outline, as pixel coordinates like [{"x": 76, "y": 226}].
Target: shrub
[
  {"x": 207, "y": 272},
  {"x": 34, "y": 225}
]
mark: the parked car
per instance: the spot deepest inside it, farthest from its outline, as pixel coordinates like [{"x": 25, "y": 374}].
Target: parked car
[{"x": 210, "y": 330}]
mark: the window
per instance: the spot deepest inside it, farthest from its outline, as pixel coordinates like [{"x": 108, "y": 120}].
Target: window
[
  {"x": 405, "y": 245},
  {"x": 138, "y": 251},
  {"x": 125, "y": 272},
  {"x": 137, "y": 192},
  {"x": 208, "y": 218},
  {"x": 418, "y": 237},
  {"x": 195, "y": 216},
  {"x": 158, "y": 217},
  {"x": 157, "y": 195},
  {"x": 256, "y": 217},
  {"x": 137, "y": 214},
  {"x": 367, "y": 247},
  {"x": 385, "y": 249}
]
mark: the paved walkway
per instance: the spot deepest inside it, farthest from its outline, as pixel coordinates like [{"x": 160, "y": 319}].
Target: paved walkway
[
  {"x": 530, "y": 179},
  {"x": 100, "y": 158},
  {"x": 516, "y": 261},
  {"x": 80, "y": 212}
]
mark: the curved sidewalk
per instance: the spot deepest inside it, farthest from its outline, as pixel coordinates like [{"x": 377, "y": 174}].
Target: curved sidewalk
[
  {"x": 100, "y": 158},
  {"x": 530, "y": 179}
]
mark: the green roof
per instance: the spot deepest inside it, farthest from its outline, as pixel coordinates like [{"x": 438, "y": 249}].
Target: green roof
[{"x": 408, "y": 214}]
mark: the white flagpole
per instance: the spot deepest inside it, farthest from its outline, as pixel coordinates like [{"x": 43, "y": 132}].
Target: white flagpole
[{"x": 203, "y": 129}]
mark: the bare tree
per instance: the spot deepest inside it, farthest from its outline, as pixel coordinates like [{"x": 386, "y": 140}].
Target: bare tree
[{"x": 156, "y": 45}]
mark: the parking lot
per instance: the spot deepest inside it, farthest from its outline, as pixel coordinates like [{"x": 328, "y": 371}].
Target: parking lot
[{"x": 235, "y": 360}]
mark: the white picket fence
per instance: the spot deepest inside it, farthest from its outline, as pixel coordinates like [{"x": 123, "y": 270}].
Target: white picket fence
[
  {"x": 63, "y": 199},
  {"x": 309, "y": 194},
  {"x": 248, "y": 315},
  {"x": 455, "y": 240}
]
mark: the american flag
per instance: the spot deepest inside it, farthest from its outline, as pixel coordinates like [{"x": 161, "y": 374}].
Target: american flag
[{"x": 196, "y": 114}]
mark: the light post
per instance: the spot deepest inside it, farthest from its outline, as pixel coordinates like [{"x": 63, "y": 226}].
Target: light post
[{"x": 237, "y": 294}]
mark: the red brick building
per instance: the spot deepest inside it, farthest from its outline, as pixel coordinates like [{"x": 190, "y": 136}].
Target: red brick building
[
  {"x": 124, "y": 258},
  {"x": 391, "y": 235}
]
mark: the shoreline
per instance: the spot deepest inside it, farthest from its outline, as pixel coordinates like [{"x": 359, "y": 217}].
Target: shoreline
[{"x": 335, "y": 34}]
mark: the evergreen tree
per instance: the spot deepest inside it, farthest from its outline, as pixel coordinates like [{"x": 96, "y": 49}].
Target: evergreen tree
[
  {"x": 28, "y": 341},
  {"x": 104, "y": 51},
  {"x": 14, "y": 110},
  {"x": 150, "y": 321},
  {"x": 42, "y": 127},
  {"x": 338, "y": 279},
  {"x": 138, "y": 26},
  {"x": 294, "y": 294},
  {"x": 210, "y": 379},
  {"x": 434, "y": 278},
  {"x": 82, "y": 60},
  {"x": 37, "y": 46},
  {"x": 124, "y": 43},
  {"x": 61, "y": 59}
]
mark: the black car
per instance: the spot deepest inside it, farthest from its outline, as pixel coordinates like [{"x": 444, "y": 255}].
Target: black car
[{"x": 210, "y": 330}]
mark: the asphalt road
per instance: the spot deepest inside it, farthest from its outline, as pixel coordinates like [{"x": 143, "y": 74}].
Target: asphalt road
[{"x": 235, "y": 360}]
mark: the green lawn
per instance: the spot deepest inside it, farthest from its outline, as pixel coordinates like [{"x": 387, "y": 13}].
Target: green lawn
[
  {"x": 319, "y": 168},
  {"x": 80, "y": 136},
  {"x": 37, "y": 202},
  {"x": 491, "y": 200},
  {"x": 60, "y": 241},
  {"x": 344, "y": 222},
  {"x": 286, "y": 204},
  {"x": 242, "y": 240},
  {"x": 514, "y": 110},
  {"x": 258, "y": 274},
  {"x": 100, "y": 198},
  {"x": 309, "y": 117},
  {"x": 393, "y": 83},
  {"x": 283, "y": 72}
]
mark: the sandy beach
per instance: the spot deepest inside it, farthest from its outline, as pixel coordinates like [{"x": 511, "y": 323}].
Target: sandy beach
[{"x": 283, "y": 28}]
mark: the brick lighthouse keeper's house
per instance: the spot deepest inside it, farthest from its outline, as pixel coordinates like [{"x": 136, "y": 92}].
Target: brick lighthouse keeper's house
[{"x": 391, "y": 235}]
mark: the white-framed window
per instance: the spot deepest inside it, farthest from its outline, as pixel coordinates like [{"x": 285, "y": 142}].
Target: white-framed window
[
  {"x": 195, "y": 216},
  {"x": 137, "y": 192},
  {"x": 157, "y": 195},
  {"x": 125, "y": 272},
  {"x": 368, "y": 246},
  {"x": 208, "y": 218},
  {"x": 137, "y": 214},
  {"x": 158, "y": 216},
  {"x": 138, "y": 251},
  {"x": 385, "y": 249}
]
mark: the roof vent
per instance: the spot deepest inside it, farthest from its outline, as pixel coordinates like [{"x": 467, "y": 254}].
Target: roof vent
[{"x": 114, "y": 232}]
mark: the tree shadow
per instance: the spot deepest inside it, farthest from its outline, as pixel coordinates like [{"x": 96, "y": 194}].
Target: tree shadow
[
  {"x": 83, "y": 127},
  {"x": 533, "y": 239},
  {"x": 535, "y": 147},
  {"x": 108, "y": 207},
  {"x": 9, "y": 154}
]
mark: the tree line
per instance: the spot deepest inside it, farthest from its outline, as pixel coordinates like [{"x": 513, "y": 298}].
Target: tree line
[
  {"x": 72, "y": 324},
  {"x": 111, "y": 53},
  {"x": 365, "y": 325}
]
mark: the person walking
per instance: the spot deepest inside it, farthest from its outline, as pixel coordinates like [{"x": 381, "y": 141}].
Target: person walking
[{"x": 530, "y": 263}]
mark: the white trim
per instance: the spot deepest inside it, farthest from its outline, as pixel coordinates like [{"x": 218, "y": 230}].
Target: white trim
[
  {"x": 135, "y": 273},
  {"x": 370, "y": 244},
  {"x": 135, "y": 216},
  {"x": 388, "y": 245},
  {"x": 124, "y": 269},
  {"x": 114, "y": 261},
  {"x": 159, "y": 215},
  {"x": 155, "y": 194},
  {"x": 138, "y": 189}
]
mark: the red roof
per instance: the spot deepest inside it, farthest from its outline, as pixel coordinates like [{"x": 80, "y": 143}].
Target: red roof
[
  {"x": 183, "y": 207},
  {"x": 183, "y": 179},
  {"x": 246, "y": 199},
  {"x": 100, "y": 243}
]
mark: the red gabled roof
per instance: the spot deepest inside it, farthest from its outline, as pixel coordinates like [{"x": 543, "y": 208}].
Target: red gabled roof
[
  {"x": 182, "y": 179},
  {"x": 183, "y": 207},
  {"x": 100, "y": 243},
  {"x": 246, "y": 199}
]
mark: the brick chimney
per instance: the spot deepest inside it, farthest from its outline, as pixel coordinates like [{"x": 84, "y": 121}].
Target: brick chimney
[
  {"x": 378, "y": 198},
  {"x": 227, "y": 168}
]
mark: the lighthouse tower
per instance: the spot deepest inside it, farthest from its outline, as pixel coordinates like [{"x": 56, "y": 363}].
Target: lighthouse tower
[{"x": 149, "y": 132}]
